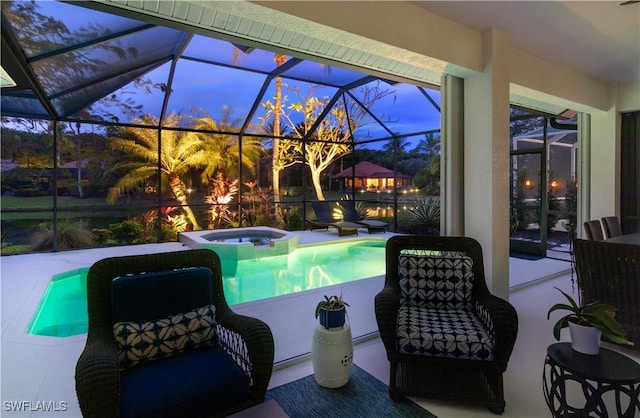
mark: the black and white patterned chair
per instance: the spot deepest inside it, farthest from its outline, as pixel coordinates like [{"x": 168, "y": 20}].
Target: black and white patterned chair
[{"x": 445, "y": 335}]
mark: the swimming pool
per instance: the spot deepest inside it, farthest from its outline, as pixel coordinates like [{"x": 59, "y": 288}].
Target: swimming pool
[{"x": 62, "y": 311}]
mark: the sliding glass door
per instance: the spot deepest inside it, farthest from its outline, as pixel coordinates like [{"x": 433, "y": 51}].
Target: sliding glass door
[{"x": 543, "y": 187}]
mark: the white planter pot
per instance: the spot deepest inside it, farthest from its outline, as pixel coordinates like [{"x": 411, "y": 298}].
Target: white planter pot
[
  {"x": 585, "y": 340},
  {"x": 332, "y": 356}
]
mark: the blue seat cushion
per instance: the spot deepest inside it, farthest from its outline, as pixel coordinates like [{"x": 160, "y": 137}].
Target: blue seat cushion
[
  {"x": 187, "y": 385},
  {"x": 455, "y": 334}
]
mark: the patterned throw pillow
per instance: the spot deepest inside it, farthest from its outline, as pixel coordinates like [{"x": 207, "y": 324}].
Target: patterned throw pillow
[
  {"x": 142, "y": 342},
  {"x": 443, "y": 281}
]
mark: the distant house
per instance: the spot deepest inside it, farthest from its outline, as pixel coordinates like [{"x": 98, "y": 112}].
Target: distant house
[{"x": 371, "y": 177}]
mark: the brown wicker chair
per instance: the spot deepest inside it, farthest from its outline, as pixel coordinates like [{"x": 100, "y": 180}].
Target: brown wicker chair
[
  {"x": 611, "y": 225},
  {"x": 610, "y": 273},
  {"x": 593, "y": 230},
  {"x": 459, "y": 375},
  {"x": 248, "y": 342}
]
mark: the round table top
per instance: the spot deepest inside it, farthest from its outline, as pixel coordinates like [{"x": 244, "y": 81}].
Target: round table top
[{"x": 608, "y": 366}]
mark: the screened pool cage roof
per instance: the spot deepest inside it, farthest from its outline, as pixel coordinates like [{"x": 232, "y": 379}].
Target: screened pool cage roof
[{"x": 71, "y": 63}]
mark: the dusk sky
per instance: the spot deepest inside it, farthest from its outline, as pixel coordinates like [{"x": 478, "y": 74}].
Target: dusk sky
[{"x": 211, "y": 87}]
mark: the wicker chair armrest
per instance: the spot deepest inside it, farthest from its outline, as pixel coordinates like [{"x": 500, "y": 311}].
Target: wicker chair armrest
[
  {"x": 98, "y": 378},
  {"x": 250, "y": 342},
  {"x": 504, "y": 318},
  {"x": 387, "y": 303}
]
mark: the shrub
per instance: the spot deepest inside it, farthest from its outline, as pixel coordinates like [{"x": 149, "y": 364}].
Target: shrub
[
  {"x": 95, "y": 190},
  {"x": 424, "y": 216},
  {"x": 29, "y": 192},
  {"x": 359, "y": 206},
  {"x": 102, "y": 236},
  {"x": 71, "y": 234},
  {"x": 221, "y": 195},
  {"x": 294, "y": 221},
  {"x": 130, "y": 231}
]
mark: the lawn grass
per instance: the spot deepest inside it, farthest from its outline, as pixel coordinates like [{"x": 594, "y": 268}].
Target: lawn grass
[
  {"x": 46, "y": 202},
  {"x": 14, "y": 249},
  {"x": 41, "y": 207}
]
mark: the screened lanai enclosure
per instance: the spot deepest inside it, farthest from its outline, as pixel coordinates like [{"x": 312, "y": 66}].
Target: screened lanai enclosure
[{"x": 119, "y": 131}]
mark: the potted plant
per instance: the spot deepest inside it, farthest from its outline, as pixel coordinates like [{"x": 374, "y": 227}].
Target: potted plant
[
  {"x": 587, "y": 323},
  {"x": 331, "y": 311}
]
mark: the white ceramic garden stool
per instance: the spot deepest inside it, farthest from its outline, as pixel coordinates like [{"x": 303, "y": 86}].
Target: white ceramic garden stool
[{"x": 332, "y": 355}]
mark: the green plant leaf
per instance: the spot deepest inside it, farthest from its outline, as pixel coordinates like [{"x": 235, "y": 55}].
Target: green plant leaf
[
  {"x": 319, "y": 307},
  {"x": 561, "y": 306},
  {"x": 562, "y": 323},
  {"x": 606, "y": 323},
  {"x": 570, "y": 299}
]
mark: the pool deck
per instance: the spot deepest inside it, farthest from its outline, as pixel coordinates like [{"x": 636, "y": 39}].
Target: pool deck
[{"x": 39, "y": 368}]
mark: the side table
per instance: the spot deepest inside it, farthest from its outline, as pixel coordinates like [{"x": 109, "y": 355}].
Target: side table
[
  {"x": 332, "y": 355},
  {"x": 594, "y": 376}
]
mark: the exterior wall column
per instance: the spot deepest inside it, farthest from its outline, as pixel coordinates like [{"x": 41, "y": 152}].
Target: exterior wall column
[
  {"x": 487, "y": 159},
  {"x": 604, "y": 196},
  {"x": 452, "y": 156},
  {"x": 583, "y": 172}
]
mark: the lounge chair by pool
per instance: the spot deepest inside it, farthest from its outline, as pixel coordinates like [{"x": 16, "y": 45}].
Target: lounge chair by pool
[
  {"x": 351, "y": 215},
  {"x": 324, "y": 220}
]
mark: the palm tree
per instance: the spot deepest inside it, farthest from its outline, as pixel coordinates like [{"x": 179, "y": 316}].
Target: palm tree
[
  {"x": 178, "y": 153},
  {"x": 434, "y": 166},
  {"x": 223, "y": 149},
  {"x": 430, "y": 145},
  {"x": 279, "y": 59},
  {"x": 275, "y": 167},
  {"x": 402, "y": 144}
]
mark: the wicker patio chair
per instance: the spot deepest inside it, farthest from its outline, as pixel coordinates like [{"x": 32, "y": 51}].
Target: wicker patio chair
[
  {"x": 611, "y": 225},
  {"x": 228, "y": 374},
  {"x": 610, "y": 273},
  {"x": 594, "y": 230},
  {"x": 434, "y": 304}
]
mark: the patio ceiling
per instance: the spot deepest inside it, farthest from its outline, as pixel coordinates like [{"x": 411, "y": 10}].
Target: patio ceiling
[{"x": 598, "y": 38}]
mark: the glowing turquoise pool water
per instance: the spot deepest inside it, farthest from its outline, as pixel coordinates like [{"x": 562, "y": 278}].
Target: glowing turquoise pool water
[{"x": 62, "y": 311}]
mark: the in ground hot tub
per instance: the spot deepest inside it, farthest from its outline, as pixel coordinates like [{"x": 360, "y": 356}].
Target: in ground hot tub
[{"x": 233, "y": 245}]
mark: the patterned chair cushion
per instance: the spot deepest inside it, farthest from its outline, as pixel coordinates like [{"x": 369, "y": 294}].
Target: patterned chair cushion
[
  {"x": 443, "y": 281},
  {"x": 142, "y": 342},
  {"x": 457, "y": 334}
]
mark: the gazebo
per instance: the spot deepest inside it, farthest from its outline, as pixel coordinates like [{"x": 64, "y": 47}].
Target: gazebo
[{"x": 371, "y": 177}]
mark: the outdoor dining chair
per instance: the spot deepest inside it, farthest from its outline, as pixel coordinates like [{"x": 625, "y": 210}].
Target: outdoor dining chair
[
  {"x": 611, "y": 225},
  {"x": 594, "y": 230}
]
